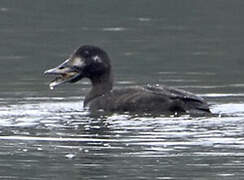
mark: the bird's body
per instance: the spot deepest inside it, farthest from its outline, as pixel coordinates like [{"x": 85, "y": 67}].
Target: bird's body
[
  {"x": 93, "y": 63},
  {"x": 149, "y": 99}
]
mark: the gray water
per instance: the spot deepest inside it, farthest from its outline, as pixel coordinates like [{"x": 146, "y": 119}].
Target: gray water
[{"x": 196, "y": 45}]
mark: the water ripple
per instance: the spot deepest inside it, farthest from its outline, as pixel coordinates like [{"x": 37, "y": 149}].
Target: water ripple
[
  {"x": 37, "y": 128},
  {"x": 64, "y": 121}
]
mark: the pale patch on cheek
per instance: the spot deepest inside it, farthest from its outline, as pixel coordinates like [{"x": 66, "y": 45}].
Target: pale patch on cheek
[{"x": 77, "y": 62}]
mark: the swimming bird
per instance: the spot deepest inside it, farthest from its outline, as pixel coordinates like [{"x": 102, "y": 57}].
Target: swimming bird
[{"x": 93, "y": 63}]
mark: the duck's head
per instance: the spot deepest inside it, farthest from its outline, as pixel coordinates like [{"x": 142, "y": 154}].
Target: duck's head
[{"x": 86, "y": 62}]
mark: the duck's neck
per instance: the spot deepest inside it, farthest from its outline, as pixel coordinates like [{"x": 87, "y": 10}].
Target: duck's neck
[{"x": 100, "y": 86}]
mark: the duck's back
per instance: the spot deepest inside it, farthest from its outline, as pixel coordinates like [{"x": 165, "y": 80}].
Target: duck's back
[{"x": 149, "y": 99}]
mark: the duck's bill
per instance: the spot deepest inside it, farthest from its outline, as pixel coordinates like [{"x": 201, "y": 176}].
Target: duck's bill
[
  {"x": 61, "y": 79},
  {"x": 63, "y": 75},
  {"x": 69, "y": 71}
]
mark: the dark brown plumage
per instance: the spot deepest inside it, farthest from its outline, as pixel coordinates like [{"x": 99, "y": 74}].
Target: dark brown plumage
[{"x": 93, "y": 63}]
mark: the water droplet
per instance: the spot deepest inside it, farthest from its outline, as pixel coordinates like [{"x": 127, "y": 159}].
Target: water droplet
[
  {"x": 86, "y": 150},
  {"x": 70, "y": 156},
  {"x": 39, "y": 149}
]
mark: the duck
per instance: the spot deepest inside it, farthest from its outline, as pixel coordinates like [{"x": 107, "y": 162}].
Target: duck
[{"x": 93, "y": 63}]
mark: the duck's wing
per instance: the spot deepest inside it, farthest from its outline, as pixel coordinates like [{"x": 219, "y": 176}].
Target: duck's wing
[
  {"x": 150, "y": 99},
  {"x": 190, "y": 100}
]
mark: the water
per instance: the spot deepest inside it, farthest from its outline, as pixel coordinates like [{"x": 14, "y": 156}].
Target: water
[{"x": 194, "y": 45}]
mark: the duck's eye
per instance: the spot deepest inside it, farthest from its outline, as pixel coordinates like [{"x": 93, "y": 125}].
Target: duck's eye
[{"x": 87, "y": 53}]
